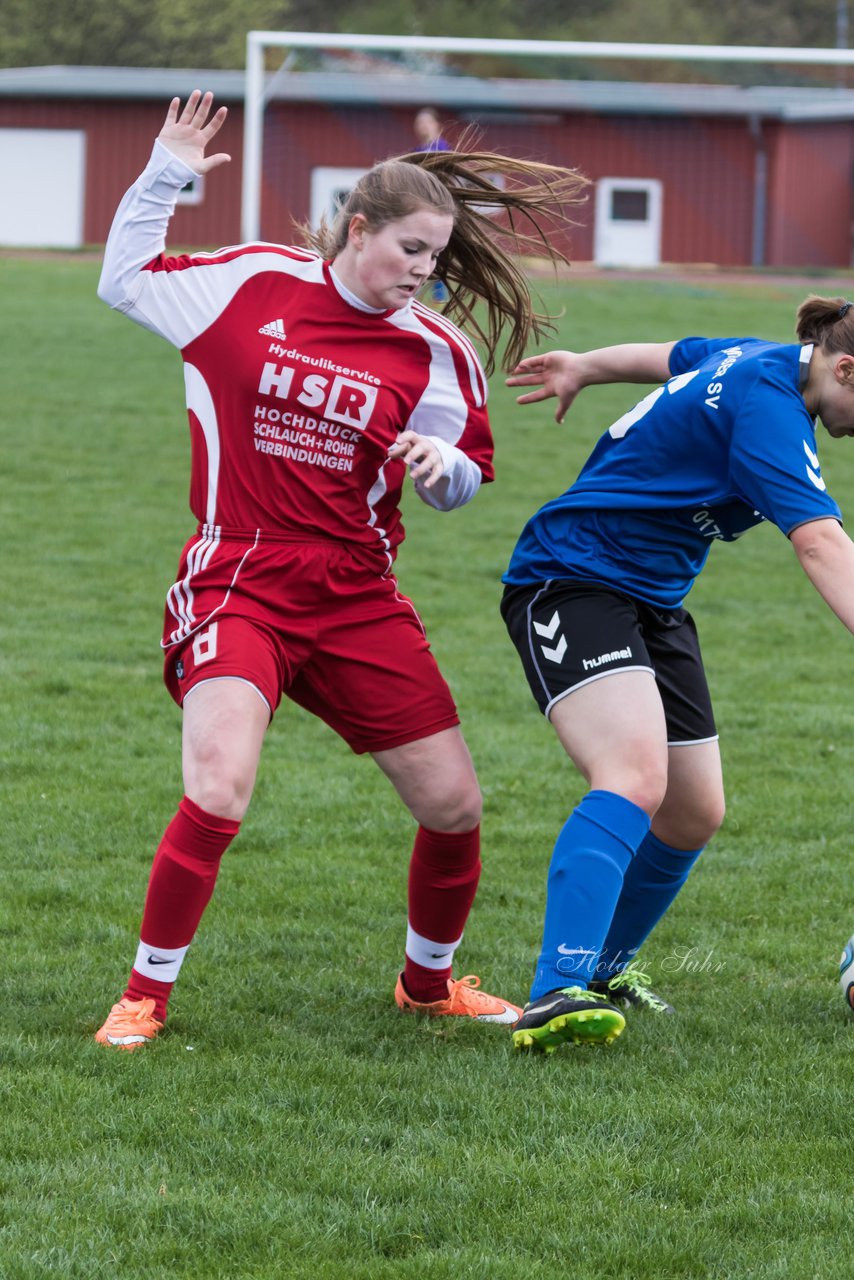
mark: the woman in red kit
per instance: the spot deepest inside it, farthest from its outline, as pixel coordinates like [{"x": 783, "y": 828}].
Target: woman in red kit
[{"x": 315, "y": 380}]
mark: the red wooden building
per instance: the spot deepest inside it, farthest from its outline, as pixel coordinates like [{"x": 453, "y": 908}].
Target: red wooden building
[{"x": 680, "y": 173}]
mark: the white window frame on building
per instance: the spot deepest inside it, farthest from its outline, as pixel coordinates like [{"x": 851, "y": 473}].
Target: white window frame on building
[
  {"x": 330, "y": 186},
  {"x": 193, "y": 192},
  {"x": 627, "y": 225}
]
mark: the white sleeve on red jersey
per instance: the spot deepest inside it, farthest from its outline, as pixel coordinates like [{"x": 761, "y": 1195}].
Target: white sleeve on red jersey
[
  {"x": 138, "y": 232},
  {"x": 458, "y": 483},
  {"x": 178, "y": 298}
]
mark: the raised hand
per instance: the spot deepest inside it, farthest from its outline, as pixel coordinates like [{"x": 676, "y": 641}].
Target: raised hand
[
  {"x": 558, "y": 373},
  {"x": 188, "y": 134}
]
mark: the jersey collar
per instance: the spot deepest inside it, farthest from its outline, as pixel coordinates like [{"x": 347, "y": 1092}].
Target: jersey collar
[
  {"x": 804, "y": 365},
  {"x": 350, "y": 298}
]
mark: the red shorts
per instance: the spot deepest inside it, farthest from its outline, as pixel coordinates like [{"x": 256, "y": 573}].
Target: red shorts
[{"x": 311, "y": 620}]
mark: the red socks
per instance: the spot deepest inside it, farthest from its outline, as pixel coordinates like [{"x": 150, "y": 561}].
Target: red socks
[
  {"x": 443, "y": 876},
  {"x": 179, "y": 888}
]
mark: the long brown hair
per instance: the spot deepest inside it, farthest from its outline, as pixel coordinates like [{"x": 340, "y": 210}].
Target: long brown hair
[
  {"x": 828, "y": 322},
  {"x": 472, "y": 186}
]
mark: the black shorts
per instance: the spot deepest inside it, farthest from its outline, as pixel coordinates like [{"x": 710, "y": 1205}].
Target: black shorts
[{"x": 569, "y": 633}]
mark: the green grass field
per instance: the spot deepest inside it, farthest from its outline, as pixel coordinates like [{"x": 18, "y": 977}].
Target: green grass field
[{"x": 292, "y": 1123}]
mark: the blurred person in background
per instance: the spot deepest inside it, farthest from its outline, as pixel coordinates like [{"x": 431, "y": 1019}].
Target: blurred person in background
[{"x": 428, "y": 131}]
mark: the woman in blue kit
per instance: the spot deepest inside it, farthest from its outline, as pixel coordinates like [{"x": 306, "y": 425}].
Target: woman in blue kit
[{"x": 593, "y": 603}]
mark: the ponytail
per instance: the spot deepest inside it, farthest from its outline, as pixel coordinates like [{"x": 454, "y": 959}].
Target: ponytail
[{"x": 828, "y": 322}]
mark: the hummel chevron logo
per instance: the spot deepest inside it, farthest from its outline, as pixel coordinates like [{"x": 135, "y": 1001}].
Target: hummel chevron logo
[
  {"x": 275, "y": 329},
  {"x": 555, "y": 654},
  {"x": 548, "y": 630},
  {"x": 813, "y": 471}
]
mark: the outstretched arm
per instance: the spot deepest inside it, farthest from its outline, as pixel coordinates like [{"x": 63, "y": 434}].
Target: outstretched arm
[
  {"x": 827, "y": 556},
  {"x": 138, "y": 233},
  {"x": 564, "y": 373}
]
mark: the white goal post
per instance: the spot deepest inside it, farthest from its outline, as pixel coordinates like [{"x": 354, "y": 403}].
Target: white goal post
[{"x": 257, "y": 42}]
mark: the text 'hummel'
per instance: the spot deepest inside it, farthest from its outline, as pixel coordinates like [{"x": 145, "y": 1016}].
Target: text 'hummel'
[{"x": 614, "y": 656}]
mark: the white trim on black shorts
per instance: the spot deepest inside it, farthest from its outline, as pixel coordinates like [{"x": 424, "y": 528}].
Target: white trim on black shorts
[{"x": 600, "y": 675}]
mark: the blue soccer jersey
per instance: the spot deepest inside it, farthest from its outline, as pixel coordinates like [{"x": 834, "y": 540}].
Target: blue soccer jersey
[{"x": 726, "y": 443}]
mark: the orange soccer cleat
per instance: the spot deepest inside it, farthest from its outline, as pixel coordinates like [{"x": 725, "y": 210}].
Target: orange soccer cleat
[
  {"x": 464, "y": 1001},
  {"x": 130, "y": 1023}
]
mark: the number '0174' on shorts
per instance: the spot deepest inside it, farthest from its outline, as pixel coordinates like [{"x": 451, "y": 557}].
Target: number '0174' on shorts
[
  {"x": 312, "y": 621},
  {"x": 569, "y": 633}
]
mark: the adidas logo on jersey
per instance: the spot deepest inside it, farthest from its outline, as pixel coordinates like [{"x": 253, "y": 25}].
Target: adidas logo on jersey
[{"x": 275, "y": 329}]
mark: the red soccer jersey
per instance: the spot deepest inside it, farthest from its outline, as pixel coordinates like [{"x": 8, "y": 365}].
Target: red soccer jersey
[{"x": 295, "y": 390}]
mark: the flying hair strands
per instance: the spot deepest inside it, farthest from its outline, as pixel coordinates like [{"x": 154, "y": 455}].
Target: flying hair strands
[{"x": 505, "y": 209}]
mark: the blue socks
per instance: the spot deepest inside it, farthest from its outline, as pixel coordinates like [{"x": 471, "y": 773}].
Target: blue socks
[
  {"x": 656, "y": 875},
  {"x": 590, "y": 859}
]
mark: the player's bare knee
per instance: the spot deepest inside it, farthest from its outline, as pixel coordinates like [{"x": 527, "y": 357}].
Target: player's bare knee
[
  {"x": 644, "y": 787},
  {"x": 691, "y": 826},
  {"x": 647, "y": 794},
  {"x": 221, "y": 794},
  {"x": 455, "y": 811},
  {"x": 468, "y": 814},
  {"x": 222, "y": 804},
  {"x": 706, "y": 821}
]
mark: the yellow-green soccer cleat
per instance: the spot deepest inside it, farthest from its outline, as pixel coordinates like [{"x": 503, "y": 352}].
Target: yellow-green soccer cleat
[
  {"x": 630, "y": 989},
  {"x": 570, "y": 1014}
]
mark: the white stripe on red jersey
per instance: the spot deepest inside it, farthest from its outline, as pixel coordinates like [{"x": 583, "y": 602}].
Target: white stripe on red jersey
[{"x": 457, "y": 338}]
